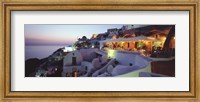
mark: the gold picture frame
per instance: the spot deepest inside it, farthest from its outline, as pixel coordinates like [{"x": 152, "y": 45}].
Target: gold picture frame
[{"x": 123, "y": 5}]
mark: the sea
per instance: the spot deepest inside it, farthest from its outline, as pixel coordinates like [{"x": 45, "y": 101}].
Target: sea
[{"x": 40, "y": 51}]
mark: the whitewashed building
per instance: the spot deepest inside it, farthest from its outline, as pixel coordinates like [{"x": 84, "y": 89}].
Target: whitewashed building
[
  {"x": 83, "y": 62},
  {"x": 123, "y": 63}
]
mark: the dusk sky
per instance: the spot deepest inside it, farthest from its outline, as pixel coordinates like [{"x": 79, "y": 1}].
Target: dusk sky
[{"x": 42, "y": 34}]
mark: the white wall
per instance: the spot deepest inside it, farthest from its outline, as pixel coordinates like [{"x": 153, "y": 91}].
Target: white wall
[
  {"x": 140, "y": 61},
  {"x": 88, "y": 54},
  {"x": 126, "y": 59},
  {"x": 136, "y": 73},
  {"x": 68, "y": 58},
  {"x": 88, "y": 64}
]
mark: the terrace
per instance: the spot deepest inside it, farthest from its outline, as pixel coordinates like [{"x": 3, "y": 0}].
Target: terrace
[{"x": 147, "y": 46}]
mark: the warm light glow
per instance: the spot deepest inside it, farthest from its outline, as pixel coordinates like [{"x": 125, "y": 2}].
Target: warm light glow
[
  {"x": 174, "y": 38},
  {"x": 92, "y": 46},
  {"x": 111, "y": 53},
  {"x": 157, "y": 44},
  {"x": 140, "y": 44},
  {"x": 163, "y": 39},
  {"x": 94, "y": 35},
  {"x": 122, "y": 44},
  {"x": 143, "y": 50},
  {"x": 69, "y": 49},
  {"x": 146, "y": 42}
]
